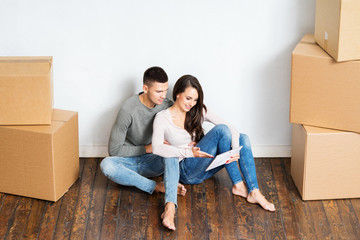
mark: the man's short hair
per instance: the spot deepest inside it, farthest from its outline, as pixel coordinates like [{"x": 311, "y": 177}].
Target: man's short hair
[{"x": 154, "y": 74}]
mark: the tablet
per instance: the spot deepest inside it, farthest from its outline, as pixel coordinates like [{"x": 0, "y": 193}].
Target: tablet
[{"x": 222, "y": 158}]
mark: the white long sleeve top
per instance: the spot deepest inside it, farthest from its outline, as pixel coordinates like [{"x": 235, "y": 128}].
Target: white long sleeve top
[{"x": 179, "y": 139}]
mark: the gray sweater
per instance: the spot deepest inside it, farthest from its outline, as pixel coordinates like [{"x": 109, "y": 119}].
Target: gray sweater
[{"x": 133, "y": 127}]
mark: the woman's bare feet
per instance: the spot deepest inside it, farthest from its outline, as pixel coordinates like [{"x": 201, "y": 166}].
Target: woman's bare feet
[
  {"x": 255, "y": 196},
  {"x": 240, "y": 189},
  {"x": 168, "y": 216},
  {"x": 160, "y": 187}
]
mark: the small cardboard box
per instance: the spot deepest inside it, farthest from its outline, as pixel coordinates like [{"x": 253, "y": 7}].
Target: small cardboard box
[
  {"x": 324, "y": 93},
  {"x": 40, "y": 161},
  {"x": 325, "y": 163},
  {"x": 337, "y": 28},
  {"x": 26, "y": 90}
]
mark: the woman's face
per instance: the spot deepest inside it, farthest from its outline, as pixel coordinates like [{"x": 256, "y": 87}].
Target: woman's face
[{"x": 187, "y": 99}]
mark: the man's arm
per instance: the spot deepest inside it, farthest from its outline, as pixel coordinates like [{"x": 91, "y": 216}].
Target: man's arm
[{"x": 118, "y": 136}]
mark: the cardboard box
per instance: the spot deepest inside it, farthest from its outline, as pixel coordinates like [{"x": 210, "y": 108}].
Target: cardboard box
[
  {"x": 337, "y": 28},
  {"x": 40, "y": 161},
  {"x": 324, "y": 93},
  {"x": 325, "y": 163},
  {"x": 26, "y": 90}
]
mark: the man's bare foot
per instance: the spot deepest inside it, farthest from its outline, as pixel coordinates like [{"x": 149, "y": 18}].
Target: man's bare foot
[
  {"x": 256, "y": 197},
  {"x": 168, "y": 216},
  {"x": 240, "y": 189},
  {"x": 160, "y": 187}
]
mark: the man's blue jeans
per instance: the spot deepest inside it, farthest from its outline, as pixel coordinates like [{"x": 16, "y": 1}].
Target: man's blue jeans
[
  {"x": 217, "y": 141},
  {"x": 135, "y": 171}
]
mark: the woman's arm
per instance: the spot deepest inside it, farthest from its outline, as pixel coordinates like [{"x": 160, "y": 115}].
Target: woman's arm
[
  {"x": 215, "y": 119},
  {"x": 165, "y": 150}
]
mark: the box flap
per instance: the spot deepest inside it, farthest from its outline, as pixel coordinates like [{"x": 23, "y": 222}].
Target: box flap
[
  {"x": 308, "y": 38},
  {"x": 320, "y": 130},
  {"x": 58, "y": 119},
  {"x": 62, "y": 115},
  {"x": 308, "y": 47},
  {"x": 15, "y": 66}
]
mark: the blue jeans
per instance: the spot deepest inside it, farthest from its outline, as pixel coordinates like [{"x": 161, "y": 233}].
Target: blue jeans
[
  {"x": 217, "y": 141},
  {"x": 135, "y": 171}
]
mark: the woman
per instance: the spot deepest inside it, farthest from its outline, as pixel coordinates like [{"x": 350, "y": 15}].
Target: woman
[{"x": 181, "y": 127}]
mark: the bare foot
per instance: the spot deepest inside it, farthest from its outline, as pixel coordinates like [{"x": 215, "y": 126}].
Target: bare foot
[
  {"x": 160, "y": 187},
  {"x": 168, "y": 216},
  {"x": 240, "y": 189},
  {"x": 256, "y": 197}
]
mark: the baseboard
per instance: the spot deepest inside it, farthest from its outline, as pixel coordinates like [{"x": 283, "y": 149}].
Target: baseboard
[
  {"x": 272, "y": 151},
  {"x": 100, "y": 151},
  {"x": 93, "y": 151}
]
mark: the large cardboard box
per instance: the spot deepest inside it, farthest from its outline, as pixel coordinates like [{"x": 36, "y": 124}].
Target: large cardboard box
[
  {"x": 324, "y": 93},
  {"x": 26, "y": 90},
  {"x": 40, "y": 161},
  {"x": 337, "y": 28},
  {"x": 325, "y": 163}
]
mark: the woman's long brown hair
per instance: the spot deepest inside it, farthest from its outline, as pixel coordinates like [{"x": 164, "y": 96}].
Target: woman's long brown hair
[{"x": 194, "y": 117}]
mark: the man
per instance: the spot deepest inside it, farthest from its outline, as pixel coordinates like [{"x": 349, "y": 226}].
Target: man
[{"x": 131, "y": 161}]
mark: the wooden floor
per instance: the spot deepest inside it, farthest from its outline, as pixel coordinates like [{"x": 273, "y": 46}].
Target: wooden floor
[{"x": 95, "y": 208}]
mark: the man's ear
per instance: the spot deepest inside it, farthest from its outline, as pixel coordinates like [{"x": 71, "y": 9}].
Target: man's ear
[{"x": 145, "y": 88}]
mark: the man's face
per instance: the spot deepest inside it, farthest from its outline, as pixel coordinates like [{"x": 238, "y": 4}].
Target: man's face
[{"x": 156, "y": 92}]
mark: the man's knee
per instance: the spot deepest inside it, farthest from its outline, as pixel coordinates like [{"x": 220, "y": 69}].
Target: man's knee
[{"x": 107, "y": 167}]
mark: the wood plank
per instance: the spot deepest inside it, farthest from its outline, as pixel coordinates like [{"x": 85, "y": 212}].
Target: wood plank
[
  {"x": 302, "y": 209},
  {"x": 320, "y": 221},
  {"x": 48, "y": 224},
  {"x": 286, "y": 208},
  {"x": 155, "y": 206},
  {"x": 226, "y": 204},
  {"x": 140, "y": 214},
  {"x": 356, "y": 205},
  {"x": 261, "y": 217},
  {"x": 337, "y": 227},
  {"x": 315, "y": 209},
  {"x": 2, "y": 198},
  {"x": 20, "y": 218},
  {"x": 245, "y": 218},
  {"x": 7, "y": 211},
  {"x": 125, "y": 218},
  {"x": 84, "y": 198},
  {"x": 67, "y": 209},
  {"x": 36, "y": 215},
  {"x": 212, "y": 209},
  {"x": 348, "y": 216},
  {"x": 275, "y": 218},
  {"x": 109, "y": 223},
  {"x": 184, "y": 225},
  {"x": 93, "y": 229},
  {"x": 199, "y": 217},
  {"x": 271, "y": 222}
]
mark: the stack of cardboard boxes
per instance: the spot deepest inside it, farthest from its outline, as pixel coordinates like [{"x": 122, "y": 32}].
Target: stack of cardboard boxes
[
  {"x": 325, "y": 104},
  {"x": 39, "y": 148}
]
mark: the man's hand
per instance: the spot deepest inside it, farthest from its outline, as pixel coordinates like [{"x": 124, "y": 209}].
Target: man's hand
[
  {"x": 200, "y": 154},
  {"x": 148, "y": 148}
]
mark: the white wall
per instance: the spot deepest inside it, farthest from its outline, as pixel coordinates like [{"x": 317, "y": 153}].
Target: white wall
[{"x": 239, "y": 50}]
